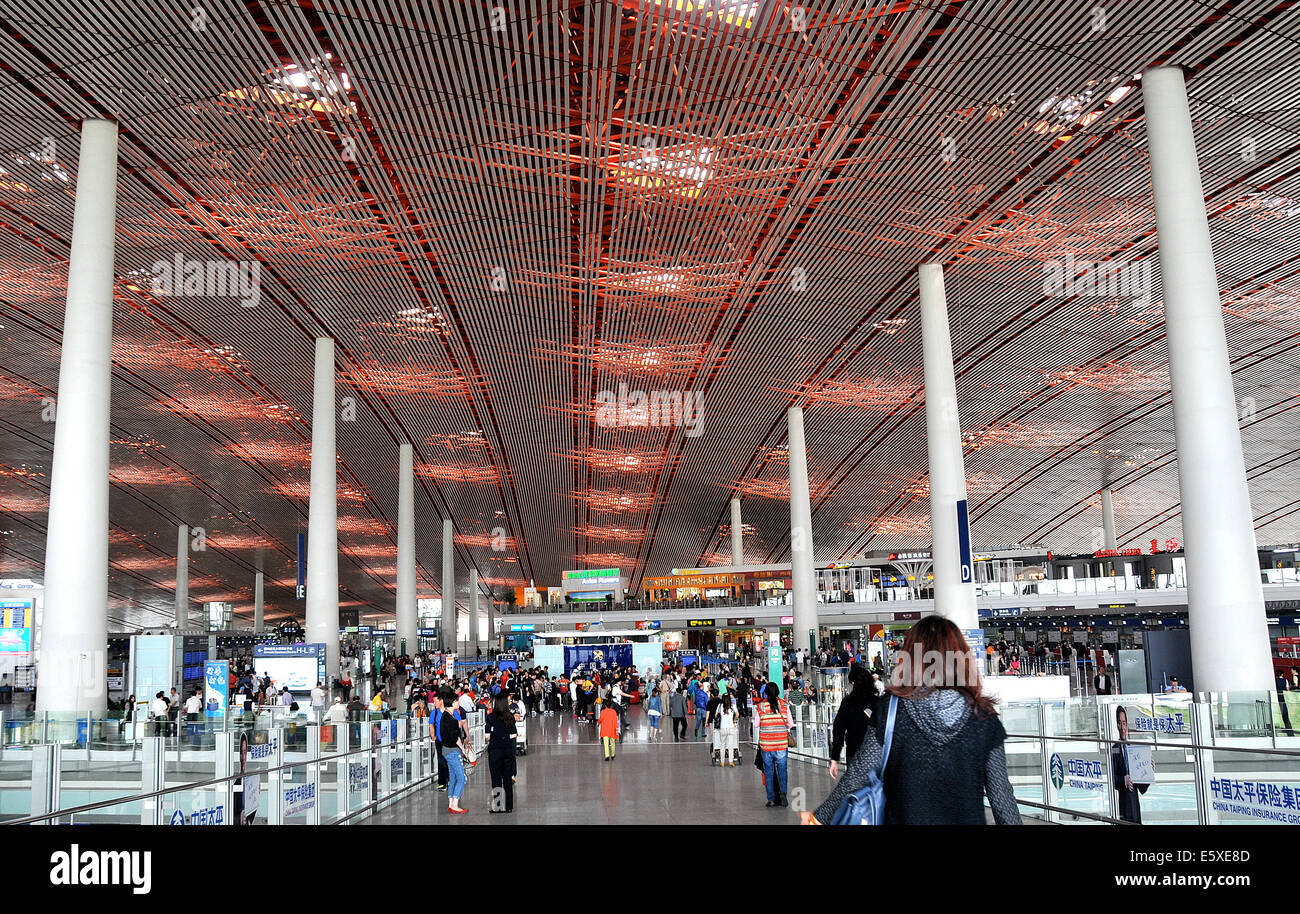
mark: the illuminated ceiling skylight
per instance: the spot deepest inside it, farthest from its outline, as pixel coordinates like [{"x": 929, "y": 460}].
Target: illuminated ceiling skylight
[
  {"x": 730, "y": 12},
  {"x": 682, "y": 169}
]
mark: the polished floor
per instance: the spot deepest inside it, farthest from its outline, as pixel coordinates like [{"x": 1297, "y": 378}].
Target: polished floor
[{"x": 563, "y": 781}]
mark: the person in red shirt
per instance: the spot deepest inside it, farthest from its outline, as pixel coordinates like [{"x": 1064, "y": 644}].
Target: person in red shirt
[{"x": 609, "y": 730}]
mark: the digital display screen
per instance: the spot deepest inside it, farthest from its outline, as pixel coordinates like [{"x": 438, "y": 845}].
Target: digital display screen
[
  {"x": 15, "y": 627},
  {"x": 297, "y": 674}
]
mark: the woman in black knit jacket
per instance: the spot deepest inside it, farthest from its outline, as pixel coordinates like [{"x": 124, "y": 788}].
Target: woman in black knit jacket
[{"x": 947, "y": 752}]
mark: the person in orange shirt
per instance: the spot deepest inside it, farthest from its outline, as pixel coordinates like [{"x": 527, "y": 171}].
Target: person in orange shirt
[{"x": 608, "y": 730}]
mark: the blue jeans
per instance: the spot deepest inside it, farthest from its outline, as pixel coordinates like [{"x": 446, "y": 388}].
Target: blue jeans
[
  {"x": 455, "y": 772},
  {"x": 774, "y": 763},
  {"x": 700, "y": 716}
]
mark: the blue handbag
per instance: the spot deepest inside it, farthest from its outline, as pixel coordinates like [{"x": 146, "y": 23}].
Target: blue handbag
[{"x": 866, "y": 805}]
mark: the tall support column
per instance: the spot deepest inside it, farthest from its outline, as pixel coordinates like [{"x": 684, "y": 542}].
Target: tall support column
[
  {"x": 182, "y": 576},
  {"x": 801, "y": 544},
  {"x": 447, "y": 625},
  {"x": 1108, "y": 518},
  {"x": 74, "y": 624},
  {"x": 950, "y": 552},
  {"x": 258, "y": 602},
  {"x": 322, "y": 514},
  {"x": 472, "y": 642},
  {"x": 1225, "y": 602},
  {"x": 406, "y": 599},
  {"x": 737, "y": 534}
]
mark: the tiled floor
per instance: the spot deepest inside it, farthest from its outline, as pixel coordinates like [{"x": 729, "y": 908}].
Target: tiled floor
[{"x": 563, "y": 781}]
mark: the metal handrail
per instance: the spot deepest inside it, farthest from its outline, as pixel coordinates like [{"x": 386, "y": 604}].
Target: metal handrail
[
  {"x": 1073, "y": 812},
  {"x": 197, "y": 785},
  {"x": 1179, "y": 745}
]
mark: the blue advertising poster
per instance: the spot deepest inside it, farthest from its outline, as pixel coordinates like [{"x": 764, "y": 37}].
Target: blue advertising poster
[
  {"x": 301, "y": 591},
  {"x": 597, "y": 657},
  {"x": 216, "y": 687},
  {"x": 963, "y": 543}
]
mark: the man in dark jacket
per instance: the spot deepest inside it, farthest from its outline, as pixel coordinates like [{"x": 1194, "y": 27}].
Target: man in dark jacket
[
  {"x": 677, "y": 711},
  {"x": 1130, "y": 807}
]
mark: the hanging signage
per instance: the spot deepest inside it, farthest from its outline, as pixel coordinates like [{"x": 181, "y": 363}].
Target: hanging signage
[
  {"x": 907, "y": 617},
  {"x": 301, "y": 592},
  {"x": 701, "y": 623},
  {"x": 645, "y": 625},
  {"x": 1003, "y": 612},
  {"x": 1116, "y": 605},
  {"x": 741, "y": 622},
  {"x": 523, "y": 627},
  {"x": 909, "y": 556},
  {"x": 963, "y": 543},
  {"x": 426, "y": 633}
]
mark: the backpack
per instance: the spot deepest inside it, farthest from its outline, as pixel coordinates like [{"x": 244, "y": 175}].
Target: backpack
[{"x": 866, "y": 805}]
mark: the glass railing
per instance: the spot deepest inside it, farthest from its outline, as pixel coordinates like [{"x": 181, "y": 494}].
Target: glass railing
[
  {"x": 1223, "y": 758},
  {"x": 298, "y": 773}
]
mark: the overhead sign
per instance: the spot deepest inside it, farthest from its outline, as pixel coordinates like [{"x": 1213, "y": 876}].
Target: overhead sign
[
  {"x": 301, "y": 592},
  {"x": 523, "y": 627},
  {"x": 1002, "y": 612},
  {"x": 907, "y": 617},
  {"x": 787, "y": 620},
  {"x": 645, "y": 624},
  {"x": 426, "y": 633},
  {"x": 963, "y": 543},
  {"x": 749, "y": 621},
  {"x": 701, "y": 623},
  {"x": 591, "y": 573},
  {"x": 1116, "y": 605}
]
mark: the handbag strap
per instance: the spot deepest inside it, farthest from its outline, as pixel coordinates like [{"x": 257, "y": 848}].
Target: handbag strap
[{"x": 889, "y": 733}]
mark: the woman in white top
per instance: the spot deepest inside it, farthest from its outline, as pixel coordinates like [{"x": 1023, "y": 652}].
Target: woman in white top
[{"x": 728, "y": 731}]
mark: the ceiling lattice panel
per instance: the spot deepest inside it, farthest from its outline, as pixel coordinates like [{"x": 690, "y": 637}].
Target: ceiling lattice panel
[{"x": 506, "y": 215}]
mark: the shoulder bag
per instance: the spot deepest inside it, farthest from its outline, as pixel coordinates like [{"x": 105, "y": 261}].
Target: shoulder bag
[{"x": 866, "y": 805}]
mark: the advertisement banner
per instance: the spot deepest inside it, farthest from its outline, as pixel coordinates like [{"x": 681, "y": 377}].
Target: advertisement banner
[
  {"x": 298, "y": 799},
  {"x": 597, "y": 657},
  {"x": 216, "y": 687}
]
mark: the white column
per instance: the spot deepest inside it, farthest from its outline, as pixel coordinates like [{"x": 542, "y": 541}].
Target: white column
[
  {"x": 406, "y": 600},
  {"x": 1225, "y": 602},
  {"x": 74, "y": 624},
  {"x": 258, "y": 602},
  {"x": 954, "y": 576},
  {"x": 1108, "y": 518},
  {"x": 322, "y": 515},
  {"x": 472, "y": 641},
  {"x": 183, "y": 576},
  {"x": 801, "y": 545},
  {"x": 447, "y": 625},
  {"x": 737, "y": 534}
]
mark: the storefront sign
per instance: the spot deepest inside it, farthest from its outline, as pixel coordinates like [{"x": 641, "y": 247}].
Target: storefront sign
[
  {"x": 1116, "y": 605},
  {"x": 701, "y": 623},
  {"x": 907, "y": 617},
  {"x": 740, "y": 622},
  {"x": 787, "y": 620},
  {"x": 647, "y": 625}
]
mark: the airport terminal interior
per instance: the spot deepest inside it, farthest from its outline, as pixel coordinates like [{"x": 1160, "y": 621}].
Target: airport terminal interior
[{"x": 604, "y": 412}]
